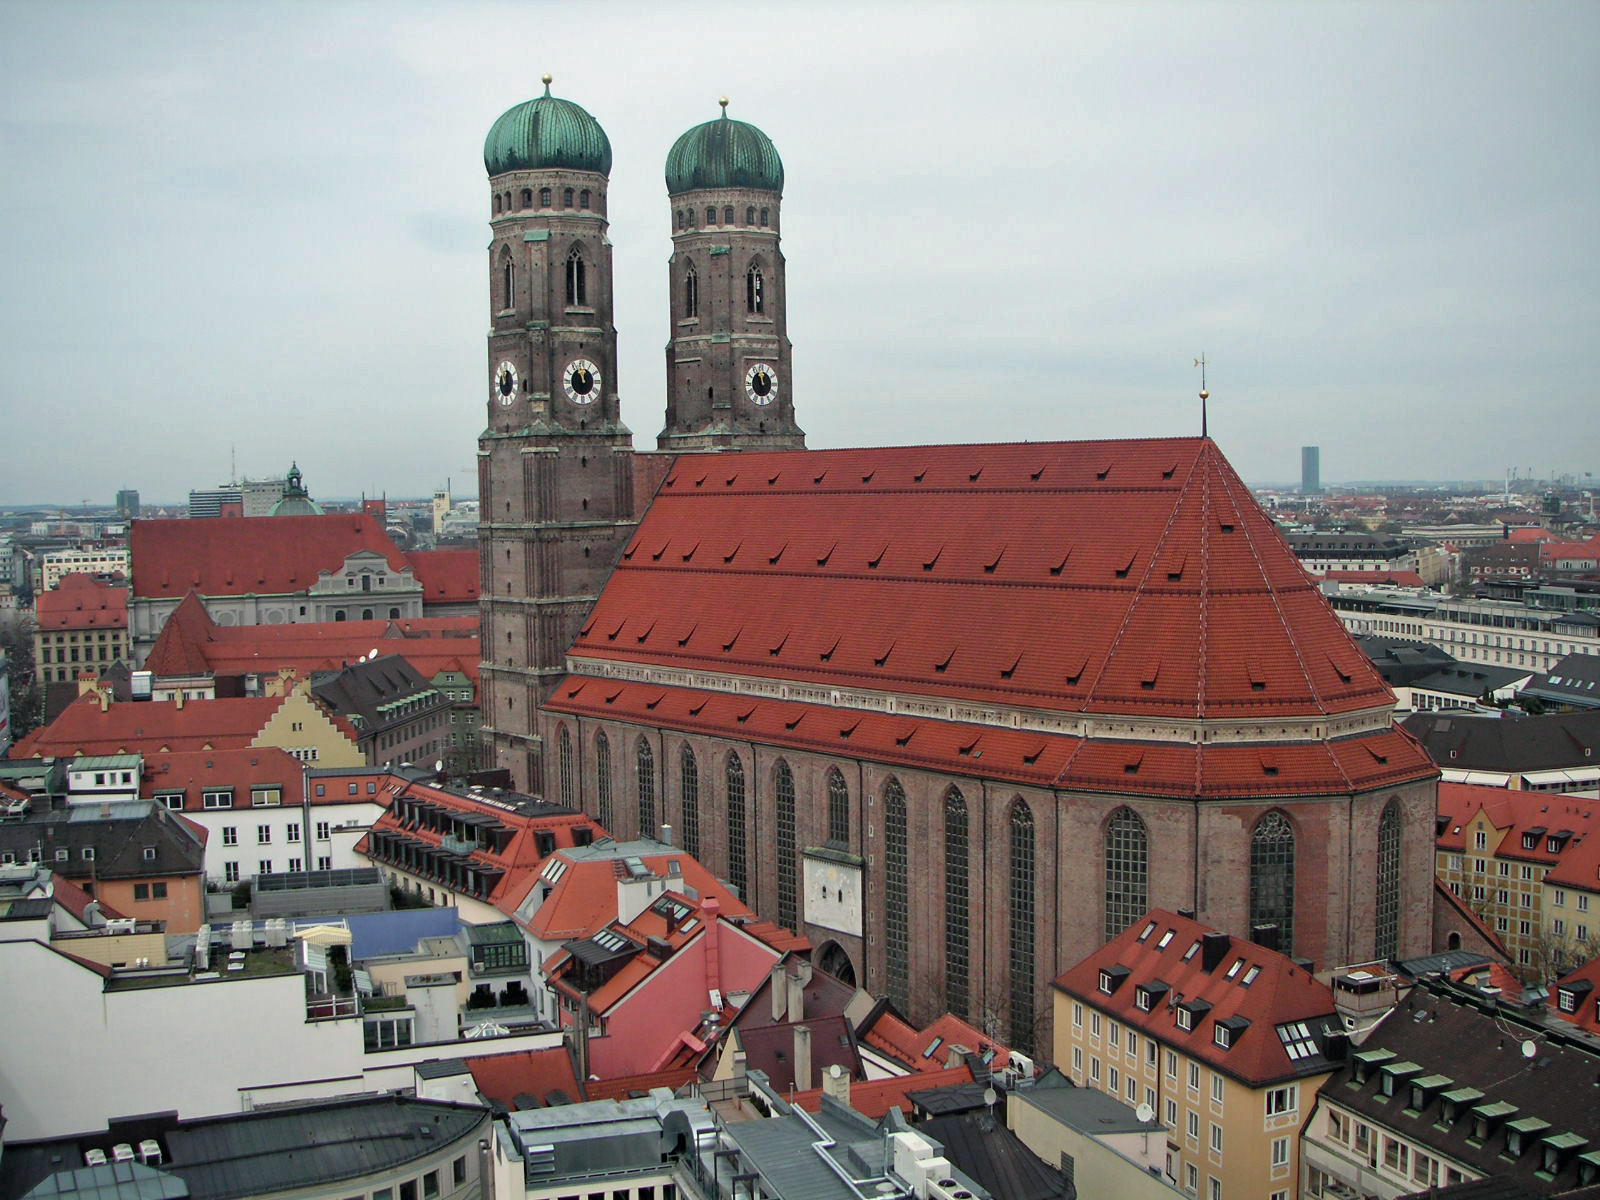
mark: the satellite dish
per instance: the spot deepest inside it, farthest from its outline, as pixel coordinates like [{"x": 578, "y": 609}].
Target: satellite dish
[
  {"x": 1145, "y": 1113},
  {"x": 990, "y": 1096},
  {"x": 1529, "y": 1049},
  {"x": 438, "y": 765},
  {"x": 373, "y": 653},
  {"x": 836, "y": 1071}
]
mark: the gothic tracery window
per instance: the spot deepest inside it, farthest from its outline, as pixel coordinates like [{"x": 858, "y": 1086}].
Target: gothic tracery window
[
  {"x": 738, "y": 868},
  {"x": 691, "y": 293},
  {"x": 602, "y": 774},
  {"x": 788, "y": 911},
  {"x": 647, "y": 789},
  {"x": 1272, "y": 877},
  {"x": 1127, "y": 871},
  {"x": 896, "y": 895},
  {"x": 838, "y": 808},
  {"x": 1388, "y": 907},
  {"x": 564, "y": 755},
  {"x": 689, "y": 795},
  {"x": 577, "y": 282},
  {"x": 957, "y": 905},
  {"x": 755, "y": 293},
  {"x": 1022, "y": 930}
]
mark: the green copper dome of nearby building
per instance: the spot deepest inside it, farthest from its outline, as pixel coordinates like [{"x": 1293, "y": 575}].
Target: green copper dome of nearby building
[
  {"x": 723, "y": 153},
  {"x": 547, "y": 132}
]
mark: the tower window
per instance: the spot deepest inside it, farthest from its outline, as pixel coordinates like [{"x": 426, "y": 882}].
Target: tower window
[
  {"x": 750, "y": 215},
  {"x": 544, "y": 197},
  {"x": 763, "y": 218},
  {"x": 690, "y": 215},
  {"x": 527, "y": 197},
  {"x": 727, "y": 215},
  {"x": 508, "y": 201},
  {"x": 681, "y": 220},
  {"x": 497, "y": 204},
  {"x": 507, "y": 284},
  {"x": 711, "y": 215},
  {"x": 577, "y": 284},
  {"x": 691, "y": 294},
  {"x": 583, "y": 198},
  {"x": 755, "y": 298},
  {"x": 566, "y": 198}
]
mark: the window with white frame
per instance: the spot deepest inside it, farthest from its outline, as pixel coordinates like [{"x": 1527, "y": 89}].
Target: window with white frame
[
  {"x": 217, "y": 798},
  {"x": 1283, "y": 1100},
  {"x": 1216, "y": 1138},
  {"x": 1280, "y": 1152},
  {"x": 263, "y": 835}
]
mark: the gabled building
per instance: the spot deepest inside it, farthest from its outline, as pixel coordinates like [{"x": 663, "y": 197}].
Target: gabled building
[
  {"x": 82, "y": 625},
  {"x": 1225, "y": 1040},
  {"x": 1573, "y": 684},
  {"x": 1553, "y": 753},
  {"x": 1455, "y": 1086},
  {"x": 398, "y": 715}
]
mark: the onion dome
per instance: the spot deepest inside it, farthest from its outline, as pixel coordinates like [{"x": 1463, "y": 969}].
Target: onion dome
[
  {"x": 723, "y": 153},
  {"x": 546, "y": 132}
]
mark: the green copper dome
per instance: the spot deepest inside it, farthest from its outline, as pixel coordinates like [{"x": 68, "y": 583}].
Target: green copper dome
[
  {"x": 723, "y": 153},
  {"x": 547, "y": 132}
]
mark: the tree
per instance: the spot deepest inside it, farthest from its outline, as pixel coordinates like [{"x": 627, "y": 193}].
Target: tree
[{"x": 27, "y": 693}]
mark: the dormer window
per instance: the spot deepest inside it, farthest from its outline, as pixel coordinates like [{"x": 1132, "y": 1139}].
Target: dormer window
[
  {"x": 1147, "y": 995},
  {"x": 1222, "y": 1036},
  {"x": 1529, "y": 841},
  {"x": 1185, "y": 1019},
  {"x": 1228, "y": 1030},
  {"x": 1111, "y": 978}
]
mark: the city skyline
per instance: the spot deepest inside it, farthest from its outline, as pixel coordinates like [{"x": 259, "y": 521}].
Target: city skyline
[{"x": 264, "y": 228}]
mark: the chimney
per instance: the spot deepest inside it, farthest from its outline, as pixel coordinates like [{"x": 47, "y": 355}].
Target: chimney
[
  {"x": 1213, "y": 948},
  {"x": 836, "y": 1083},
  {"x": 802, "y": 1058},
  {"x": 797, "y": 997},
  {"x": 666, "y": 835},
  {"x": 780, "y": 992},
  {"x": 1265, "y": 935},
  {"x": 177, "y": 698},
  {"x": 711, "y": 914}
]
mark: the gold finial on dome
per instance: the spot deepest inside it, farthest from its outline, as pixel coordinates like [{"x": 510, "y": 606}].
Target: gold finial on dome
[
  {"x": 723, "y": 100},
  {"x": 547, "y": 79}
]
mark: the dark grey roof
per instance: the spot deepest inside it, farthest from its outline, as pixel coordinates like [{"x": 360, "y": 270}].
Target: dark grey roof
[
  {"x": 1087, "y": 1110},
  {"x": 996, "y": 1158},
  {"x": 1508, "y": 743},
  {"x": 1493, "y": 1187},
  {"x": 113, "y": 1181},
  {"x": 1477, "y": 1044},
  {"x": 1438, "y": 964},
  {"x": 1574, "y": 680},
  {"x": 442, "y": 1068},
  {"x": 376, "y": 692},
  {"x": 1469, "y": 679},
  {"x": 117, "y": 833},
  {"x": 1400, "y": 660}
]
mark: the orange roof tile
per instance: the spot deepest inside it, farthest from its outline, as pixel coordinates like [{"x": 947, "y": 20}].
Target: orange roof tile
[
  {"x": 1583, "y": 985},
  {"x": 82, "y": 602},
  {"x": 1131, "y": 577},
  {"x": 249, "y": 555},
  {"x": 446, "y": 575},
  {"x": 874, "y": 1098},
  {"x": 536, "y": 1073},
  {"x": 148, "y": 726},
  {"x": 190, "y": 771}
]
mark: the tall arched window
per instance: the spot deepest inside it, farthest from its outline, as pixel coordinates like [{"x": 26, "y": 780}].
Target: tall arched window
[
  {"x": 544, "y": 197},
  {"x": 508, "y": 280},
  {"x": 602, "y": 778},
  {"x": 691, "y": 293},
  {"x": 1127, "y": 871},
  {"x": 738, "y": 869},
  {"x": 1388, "y": 910},
  {"x": 711, "y": 215},
  {"x": 527, "y": 197},
  {"x": 788, "y": 911},
  {"x": 1022, "y": 927},
  {"x": 1272, "y": 877},
  {"x": 957, "y": 905},
  {"x": 564, "y": 757},
  {"x": 583, "y": 198},
  {"x": 566, "y": 198},
  {"x": 896, "y": 895},
  {"x": 727, "y": 214},
  {"x": 689, "y": 795},
  {"x": 497, "y": 204},
  {"x": 838, "y": 808},
  {"x": 577, "y": 284},
  {"x": 755, "y": 290},
  {"x": 763, "y": 218},
  {"x": 647, "y": 790},
  {"x": 681, "y": 221},
  {"x": 750, "y": 216}
]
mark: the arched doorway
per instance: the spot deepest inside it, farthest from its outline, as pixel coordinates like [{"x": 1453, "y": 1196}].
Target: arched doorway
[{"x": 833, "y": 959}]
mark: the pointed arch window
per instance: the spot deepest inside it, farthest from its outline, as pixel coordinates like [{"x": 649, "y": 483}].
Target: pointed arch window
[
  {"x": 647, "y": 789},
  {"x": 838, "y": 808},
  {"x": 544, "y": 197},
  {"x": 1127, "y": 871},
  {"x": 783, "y": 794},
  {"x": 508, "y": 282},
  {"x": 1023, "y": 905},
  {"x": 1388, "y": 908},
  {"x": 738, "y": 861},
  {"x": 763, "y": 218},
  {"x": 896, "y": 895},
  {"x": 691, "y": 293},
  {"x": 602, "y": 776},
  {"x": 755, "y": 290},
  {"x": 689, "y": 795},
  {"x": 564, "y": 756},
  {"x": 577, "y": 278},
  {"x": 1272, "y": 877},
  {"x": 957, "y": 905}
]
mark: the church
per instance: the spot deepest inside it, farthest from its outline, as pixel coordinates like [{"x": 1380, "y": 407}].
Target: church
[{"x": 958, "y": 714}]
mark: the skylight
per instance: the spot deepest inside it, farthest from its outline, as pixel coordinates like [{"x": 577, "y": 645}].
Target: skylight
[
  {"x": 1298, "y": 1040},
  {"x": 1165, "y": 938}
]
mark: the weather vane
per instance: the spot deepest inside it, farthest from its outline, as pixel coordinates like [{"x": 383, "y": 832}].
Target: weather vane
[{"x": 1204, "y": 395}]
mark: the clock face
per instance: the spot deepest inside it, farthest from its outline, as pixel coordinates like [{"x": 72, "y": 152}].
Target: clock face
[
  {"x": 761, "y": 384},
  {"x": 581, "y": 381},
  {"x": 505, "y": 383}
]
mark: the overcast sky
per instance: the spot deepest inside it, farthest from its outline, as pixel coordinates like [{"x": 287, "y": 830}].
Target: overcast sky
[{"x": 259, "y": 228}]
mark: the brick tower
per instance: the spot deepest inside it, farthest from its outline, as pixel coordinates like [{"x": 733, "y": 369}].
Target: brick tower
[
  {"x": 555, "y": 462},
  {"x": 728, "y": 381}
]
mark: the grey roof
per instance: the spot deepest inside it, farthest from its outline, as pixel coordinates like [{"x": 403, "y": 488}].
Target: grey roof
[
  {"x": 377, "y": 691},
  {"x": 1469, "y": 679},
  {"x": 118, "y": 834},
  {"x": 1508, "y": 743},
  {"x": 1439, "y": 964},
  {"x": 984, "y": 1149},
  {"x": 1574, "y": 680},
  {"x": 1087, "y": 1110},
  {"x": 113, "y": 1181},
  {"x": 442, "y": 1068}
]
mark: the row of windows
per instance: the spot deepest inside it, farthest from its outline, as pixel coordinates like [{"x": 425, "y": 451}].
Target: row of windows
[
  {"x": 755, "y": 291},
  {"x": 230, "y": 870},
  {"x": 577, "y": 284},
  {"x": 753, "y": 216},
  {"x": 581, "y": 199}
]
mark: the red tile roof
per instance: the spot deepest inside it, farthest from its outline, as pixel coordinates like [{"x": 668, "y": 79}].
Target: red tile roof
[
  {"x": 1523, "y": 816},
  {"x": 82, "y": 602},
  {"x": 583, "y": 901},
  {"x": 926, "y": 1050},
  {"x": 76, "y": 901},
  {"x": 249, "y": 555},
  {"x": 446, "y": 575},
  {"x": 536, "y": 1073},
  {"x": 1372, "y": 760},
  {"x": 1134, "y": 577},
  {"x": 1399, "y": 578},
  {"x": 627, "y": 1086},
  {"x": 190, "y": 771},
  {"x": 1279, "y": 993},
  {"x": 147, "y": 726},
  {"x": 874, "y": 1098},
  {"x": 180, "y": 649},
  {"x": 1584, "y": 984}
]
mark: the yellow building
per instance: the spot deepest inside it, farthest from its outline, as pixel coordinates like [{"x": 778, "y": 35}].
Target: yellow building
[{"x": 1225, "y": 1040}]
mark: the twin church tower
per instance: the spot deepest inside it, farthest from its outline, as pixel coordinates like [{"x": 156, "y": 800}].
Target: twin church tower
[{"x": 560, "y": 488}]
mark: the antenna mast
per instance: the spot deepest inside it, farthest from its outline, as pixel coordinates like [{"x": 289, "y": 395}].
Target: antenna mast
[{"x": 1204, "y": 394}]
